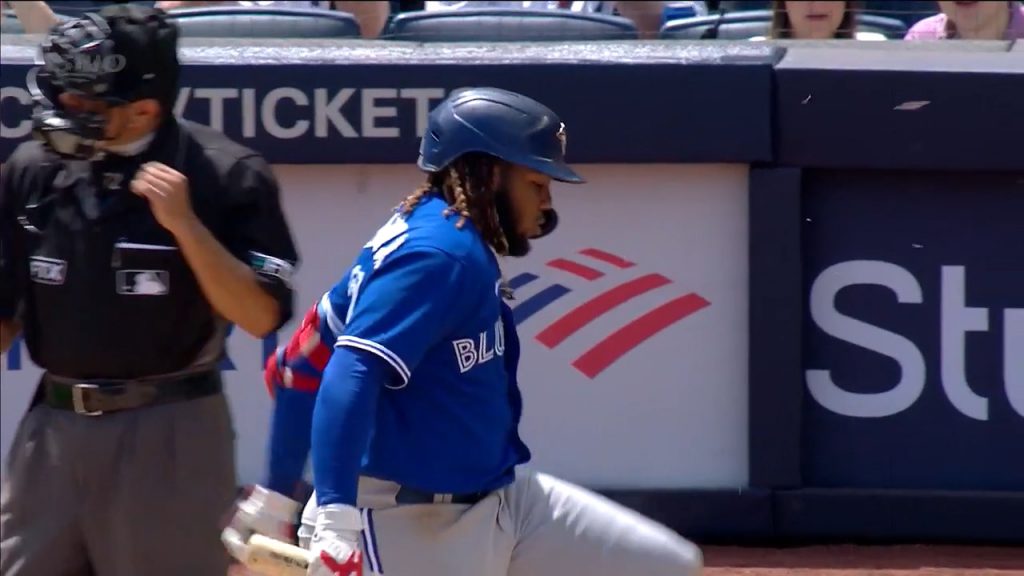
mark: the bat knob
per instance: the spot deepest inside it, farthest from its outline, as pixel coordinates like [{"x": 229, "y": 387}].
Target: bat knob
[{"x": 236, "y": 545}]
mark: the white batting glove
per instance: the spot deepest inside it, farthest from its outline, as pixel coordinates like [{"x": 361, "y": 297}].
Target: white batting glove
[
  {"x": 335, "y": 545},
  {"x": 263, "y": 512}
]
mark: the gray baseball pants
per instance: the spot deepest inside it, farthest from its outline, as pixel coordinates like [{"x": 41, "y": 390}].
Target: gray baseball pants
[
  {"x": 135, "y": 493},
  {"x": 537, "y": 526}
]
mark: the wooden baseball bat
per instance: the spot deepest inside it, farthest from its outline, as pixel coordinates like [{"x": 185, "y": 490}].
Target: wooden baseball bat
[{"x": 269, "y": 557}]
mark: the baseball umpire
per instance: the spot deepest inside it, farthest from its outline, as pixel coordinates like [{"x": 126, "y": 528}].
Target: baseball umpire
[
  {"x": 131, "y": 242},
  {"x": 409, "y": 367}
]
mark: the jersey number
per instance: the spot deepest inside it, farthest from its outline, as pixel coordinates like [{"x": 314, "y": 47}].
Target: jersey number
[
  {"x": 390, "y": 236},
  {"x": 387, "y": 239}
]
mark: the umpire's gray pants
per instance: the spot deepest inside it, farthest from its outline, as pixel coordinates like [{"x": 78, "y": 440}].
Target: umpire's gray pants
[{"x": 135, "y": 493}]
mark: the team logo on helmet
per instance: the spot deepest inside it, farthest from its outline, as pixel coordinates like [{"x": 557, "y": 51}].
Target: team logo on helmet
[{"x": 561, "y": 136}]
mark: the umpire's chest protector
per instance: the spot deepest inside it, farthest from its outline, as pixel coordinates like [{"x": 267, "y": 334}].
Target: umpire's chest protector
[{"x": 108, "y": 292}]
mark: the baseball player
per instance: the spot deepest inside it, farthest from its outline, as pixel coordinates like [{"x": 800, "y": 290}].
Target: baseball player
[{"x": 406, "y": 370}]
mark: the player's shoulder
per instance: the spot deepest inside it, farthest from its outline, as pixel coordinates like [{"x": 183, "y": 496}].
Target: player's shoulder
[{"x": 431, "y": 228}]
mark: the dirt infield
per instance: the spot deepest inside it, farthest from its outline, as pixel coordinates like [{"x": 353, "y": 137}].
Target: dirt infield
[{"x": 866, "y": 560}]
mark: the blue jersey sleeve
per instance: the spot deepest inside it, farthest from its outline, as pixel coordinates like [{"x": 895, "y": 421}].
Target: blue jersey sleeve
[
  {"x": 288, "y": 449},
  {"x": 404, "y": 307},
  {"x": 343, "y": 421},
  {"x": 293, "y": 376}
]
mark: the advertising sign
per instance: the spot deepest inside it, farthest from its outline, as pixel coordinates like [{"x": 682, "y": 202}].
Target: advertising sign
[
  {"x": 322, "y": 113},
  {"x": 632, "y": 316},
  {"x": 914, "y": 338}
]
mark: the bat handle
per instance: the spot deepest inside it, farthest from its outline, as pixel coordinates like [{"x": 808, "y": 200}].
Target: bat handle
[{"x": 236, "y": 544}]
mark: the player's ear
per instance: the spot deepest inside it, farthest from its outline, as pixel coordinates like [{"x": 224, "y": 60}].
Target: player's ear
[{"x": 145, "y": 112}]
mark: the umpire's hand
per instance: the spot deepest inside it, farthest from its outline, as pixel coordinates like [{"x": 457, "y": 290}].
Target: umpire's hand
[{"x": 167, "y": 191}]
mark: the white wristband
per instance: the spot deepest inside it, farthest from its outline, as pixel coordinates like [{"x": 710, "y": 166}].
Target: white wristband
[{"x": 339, "y": 518}]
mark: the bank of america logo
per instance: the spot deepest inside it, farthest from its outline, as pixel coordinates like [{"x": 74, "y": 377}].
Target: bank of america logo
[{"x": 589, "y": 265}]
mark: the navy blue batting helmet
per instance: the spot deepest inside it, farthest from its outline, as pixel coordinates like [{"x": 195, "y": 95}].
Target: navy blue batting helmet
[{"x": 510, "y": 126}]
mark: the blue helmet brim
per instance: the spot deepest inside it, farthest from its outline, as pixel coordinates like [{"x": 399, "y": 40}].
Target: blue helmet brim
[{"x": 560, "y": 171}]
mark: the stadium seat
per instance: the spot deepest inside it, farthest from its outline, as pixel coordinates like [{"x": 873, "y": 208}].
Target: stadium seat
[
  {"x": 907, "y": 11},
  {"x": 737, "y": 5},
  {"x": 244, "y": 22},
  {"x": 748, "y": 24},
  {"x": 9, "y": 24},
  {"x": 724, "y": 26},
  {"x": 509, "y": 25},
  {"x": 891, "y": 28},
  {"x": 75, "y": 8}
]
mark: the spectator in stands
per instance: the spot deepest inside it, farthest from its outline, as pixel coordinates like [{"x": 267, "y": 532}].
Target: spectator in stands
[
  {"x": 817, "y": 21},
  {"x": 36, "y": 17},
  {"x": 991, "y": 20},
  {"x": 399, "y": 6},
  {"x": 372, "y": 15},
  {"x": 647, "y": 16}
]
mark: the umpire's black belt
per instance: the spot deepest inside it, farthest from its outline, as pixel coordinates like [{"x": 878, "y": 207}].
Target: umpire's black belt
[
  {"x": 406, "y": 495},
  {"x": 96, "y": 397}
]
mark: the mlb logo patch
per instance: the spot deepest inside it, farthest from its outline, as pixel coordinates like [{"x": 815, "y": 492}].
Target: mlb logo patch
[
  {"x": 143, "y": 282},
  {"x": 45, "y": 270}
]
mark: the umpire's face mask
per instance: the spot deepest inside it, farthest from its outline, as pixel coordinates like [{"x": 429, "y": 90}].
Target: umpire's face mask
[
  {"x": 78, "y": 87},
  {"x": 79, "y": 127},
  {"x": 72, "y": 132}
]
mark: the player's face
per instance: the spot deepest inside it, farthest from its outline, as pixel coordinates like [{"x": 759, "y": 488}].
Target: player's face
[{"x": 530, "y": 193}]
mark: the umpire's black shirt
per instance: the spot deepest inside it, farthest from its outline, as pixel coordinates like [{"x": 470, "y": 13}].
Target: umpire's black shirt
[{"x": 103, "y": 289}]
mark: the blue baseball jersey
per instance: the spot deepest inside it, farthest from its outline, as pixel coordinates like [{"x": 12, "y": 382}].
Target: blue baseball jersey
[{"x": 424, "y": 296}]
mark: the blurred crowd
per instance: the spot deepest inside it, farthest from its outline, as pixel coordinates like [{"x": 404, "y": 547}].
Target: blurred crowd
[{"x": 779, "y": 19}]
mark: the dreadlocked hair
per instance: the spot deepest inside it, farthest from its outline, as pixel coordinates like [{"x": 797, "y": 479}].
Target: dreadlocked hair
[{"x": 467, "y": 187}]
